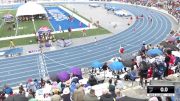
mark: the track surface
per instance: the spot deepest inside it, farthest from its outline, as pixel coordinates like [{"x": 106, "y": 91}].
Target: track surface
[{"x": 17, "y": 70}]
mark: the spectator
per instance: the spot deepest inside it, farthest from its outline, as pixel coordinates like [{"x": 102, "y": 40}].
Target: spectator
[
  {"x": 111, "y": 88},
  {"x": 92, "y": 80},
  {"x": 153, "y": 99},
  {"x": 7, "y": 89},
  {"x": 91, "y": 96},
  {"x": 66, "y": 94},
  {"x": 118, "y": 95},
  {"x": 21, "y": 89},
  {"x": 56, "y": 96},
  {"x": 12, "y": 45},
  {"x": 134, "y": 64},
  {"x": 2, "y": 96},
  {"x": 106, "y": 96},
  {"x": 119, "y": 84},
  {"x": 84, "y": 32},
  {"x": 143, "y": 72},
  {"x": 79, "y": 93}
]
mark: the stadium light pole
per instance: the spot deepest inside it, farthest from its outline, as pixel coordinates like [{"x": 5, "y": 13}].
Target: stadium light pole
[{"x": 33, "y": 23}]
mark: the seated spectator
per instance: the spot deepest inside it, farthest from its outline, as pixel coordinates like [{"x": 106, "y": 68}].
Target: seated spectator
[
  {"x": 106, "y": 96},
  {"x": 92, "y": 80},
  {"x": 118, "y": 95},
  {"x": 31, "y": 94},
  {"x": 66, "y": 94},
  {"x": 56, "y": 96},
  {"x": 153, "y": 99},
  {"x": 2, "y": 96},
  {"x": 100, "y": 78},
  {"x": 91, "y": 96},
  {"x": 119, "y": 84},
  {"x": 21, "y": 89},
  {"x": 111, "y": 88}
]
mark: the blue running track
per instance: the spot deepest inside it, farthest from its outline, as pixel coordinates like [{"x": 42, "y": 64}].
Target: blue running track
[
  {"x": 60, "y": 17},
  {"x": 16, "y": 70}
]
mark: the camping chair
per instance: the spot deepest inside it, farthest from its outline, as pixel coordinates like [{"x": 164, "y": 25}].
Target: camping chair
[{"x": 132, "y": 76}]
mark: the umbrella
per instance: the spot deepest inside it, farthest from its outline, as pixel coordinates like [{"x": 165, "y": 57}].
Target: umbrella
[
  {"x": 154, "y": 52},
  {"x": 116, "y": 66},
  {"x": 76, "y": 71},
  {"x": 126, "y": 98},
  {"x": 176, "y": 53},
  {"x": 96, "y": 64},
  {"x": 44, "y": 29},
  {"x": 63, "y": 76}
]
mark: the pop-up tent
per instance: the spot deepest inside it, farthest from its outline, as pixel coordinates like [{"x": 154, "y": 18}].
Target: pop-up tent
[{"x": 30, "y": 8}]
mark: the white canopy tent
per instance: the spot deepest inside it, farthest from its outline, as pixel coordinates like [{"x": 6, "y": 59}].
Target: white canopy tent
[{"x": 30, "y": 8}]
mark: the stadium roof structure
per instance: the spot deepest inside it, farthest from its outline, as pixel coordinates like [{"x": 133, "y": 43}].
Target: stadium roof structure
[{"x": 30, "y": 8}]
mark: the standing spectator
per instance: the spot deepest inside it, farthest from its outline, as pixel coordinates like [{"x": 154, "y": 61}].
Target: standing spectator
[
  {"x": 167, "y": 60},
  {"x": 84, "y": 32},
  {"x": 70, "y": 31},
  {"x": 12, "y": 45},
  {"x": 91, "y": 96},
  {"x": 78, "y": 93},
  {"x": 134, "y": 64},
  {"x": 143, "y": 72}
]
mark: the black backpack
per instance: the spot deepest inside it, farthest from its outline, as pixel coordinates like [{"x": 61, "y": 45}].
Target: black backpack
[{"x": 143, "y": 65}]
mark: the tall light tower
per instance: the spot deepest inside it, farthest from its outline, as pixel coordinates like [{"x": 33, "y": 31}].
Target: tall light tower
[{"x": 43, "y": 72}]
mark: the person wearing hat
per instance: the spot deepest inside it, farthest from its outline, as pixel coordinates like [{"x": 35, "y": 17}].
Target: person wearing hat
[
  {"x": 56, "y": 96},
  {"x": 66, "y": 94},
  {"x": 91, "y": 96}
]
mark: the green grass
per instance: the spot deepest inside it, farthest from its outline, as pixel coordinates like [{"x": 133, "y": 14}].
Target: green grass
[
  {"x": 17, "y": 42},
  {"x": 25, "y": 27},
  {"x": 76, "y": 34}
]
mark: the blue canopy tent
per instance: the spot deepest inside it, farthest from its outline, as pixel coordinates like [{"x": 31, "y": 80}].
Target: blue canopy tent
[
  {"x": 96, "y": 64},
  {"x": 154, "y": 52},
  {"x": 116, "y": 66}
]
